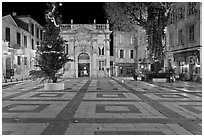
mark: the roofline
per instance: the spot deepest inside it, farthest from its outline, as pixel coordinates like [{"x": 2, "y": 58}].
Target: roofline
[
  {"x": 28, "y": 16},
  {"x": 9, "y": 15}
]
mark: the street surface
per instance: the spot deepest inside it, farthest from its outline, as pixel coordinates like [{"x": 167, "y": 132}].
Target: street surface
[{"x": 106, "y": 106}]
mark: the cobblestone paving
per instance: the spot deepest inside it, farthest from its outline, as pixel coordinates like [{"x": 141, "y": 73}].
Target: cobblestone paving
[{"x": 101, "y": 107}]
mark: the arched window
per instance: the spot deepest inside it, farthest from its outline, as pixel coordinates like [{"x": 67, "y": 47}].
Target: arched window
[{"x": 83, "y": 56}]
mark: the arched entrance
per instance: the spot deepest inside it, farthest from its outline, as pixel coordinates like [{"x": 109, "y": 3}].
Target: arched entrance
[{"x": 83, "y": 65}]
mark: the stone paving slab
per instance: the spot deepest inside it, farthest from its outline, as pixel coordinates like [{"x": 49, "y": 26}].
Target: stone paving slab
[{"x": 101, "y": 107}]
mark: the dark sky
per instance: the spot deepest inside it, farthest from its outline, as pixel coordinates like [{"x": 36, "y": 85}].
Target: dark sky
[{"x": 80, "y": 12}]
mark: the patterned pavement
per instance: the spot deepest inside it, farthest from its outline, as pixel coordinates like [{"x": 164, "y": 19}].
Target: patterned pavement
[{"x": 102, "y": 107}]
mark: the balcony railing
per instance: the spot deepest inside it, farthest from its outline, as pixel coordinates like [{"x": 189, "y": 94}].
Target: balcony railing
[{"x": 67, "y": 27}]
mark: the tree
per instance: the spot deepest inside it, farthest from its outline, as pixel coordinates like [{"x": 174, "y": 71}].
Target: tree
[
  {"x": 50, "y": 54},
  {"x": 151, "y": 16}
]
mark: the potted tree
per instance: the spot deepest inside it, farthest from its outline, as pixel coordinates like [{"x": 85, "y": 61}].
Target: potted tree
[{"x": 51, "y": 57}]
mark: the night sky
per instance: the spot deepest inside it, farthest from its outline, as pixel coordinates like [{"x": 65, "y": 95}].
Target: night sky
[{"x": 80, "y": 12}]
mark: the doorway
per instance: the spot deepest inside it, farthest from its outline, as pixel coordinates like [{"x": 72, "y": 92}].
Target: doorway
[
  {"x": 83, "y": 65},
  {"x": 83, "y": 69}
]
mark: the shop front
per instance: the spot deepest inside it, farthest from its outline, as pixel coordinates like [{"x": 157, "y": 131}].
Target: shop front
[
  {"x": 125, "y": 69},
  {"x": 188, "y": 65}
]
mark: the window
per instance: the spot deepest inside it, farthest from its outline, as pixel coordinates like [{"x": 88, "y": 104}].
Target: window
[
  {"x": 120, "y": 38},
  {"x": 19, "y": 60},
  {"x": 192, "y": 8},
  {"x": 171, "y": 18},
  {"x": 32, "y": 44},
  {"x": 18, "y": 38},
  {"x": 131, "y": 53},
  {"x": 121, "y": 53},
  {"x": 191, "y": 33},
  {"x": 41, "y": 34},
  {"x": 131, "y": 39},
  {"x": 175, "y": 15},
  {"x": 111, "y": 63},
  {"x": 8, "y": 34},
  {"x": 37, "y": 31},
  {"x": 171, "y": 44},
  {"x": 66, "y": 49},
  {"x": 25, "y": 41},
  {"x": 30, "y": 61},
  {"x": 101, "y": 65},
  {"x": 25, "y": 60},
  {"x": 32, "y": 29},
  {"x": 180, "y": 37},
  {"x": 101, "y": 50},
  {"x": 38, "y": 43}
]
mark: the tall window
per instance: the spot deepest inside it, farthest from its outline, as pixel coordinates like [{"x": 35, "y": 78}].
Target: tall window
[
  {"x": 32, "y": 44},
  {"x": 25, "y": 60},
  {"x": 101, "y": 50},
  {"x": 19, "y": 60},
  {"x": 121, "y": 53},
  {"x": 66, "y": 49},
  {"x": 171, "y": 44},
  {"x": 171, "y": 18},
  {"x": 180, "y": 37},
  {"x": 101, "y": 65},
  {"x": 37, "y": 31},
  {"x": 191, "y": 33},
  {"x": 131, "y": 39},
  {"x": 18, "y": 38},
  {"x": 32, "y": 29},
  {"x": 131, "y": 53},
  {"x": 8, "y": 34},
  {"x": 41, "y": 34},
  {"x": 121, "y": 40},
  {"x": 25, "y": 41}
]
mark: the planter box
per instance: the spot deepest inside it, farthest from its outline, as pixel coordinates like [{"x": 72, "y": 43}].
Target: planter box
[{"x": 54, "y": 86}]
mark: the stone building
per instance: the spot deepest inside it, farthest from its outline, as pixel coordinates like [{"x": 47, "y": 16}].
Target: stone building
[
  {"x": 20, "y": 35},
  {"x": 124, "y": 53},
  {"x": 89, "y": 46},
  {"x": 183, "y": 41}
]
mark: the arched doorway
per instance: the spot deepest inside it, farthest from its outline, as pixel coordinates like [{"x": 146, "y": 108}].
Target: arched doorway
[{"x": 83, "y": 65}]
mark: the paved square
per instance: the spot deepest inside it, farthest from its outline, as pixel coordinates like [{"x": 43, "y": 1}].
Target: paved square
[
  {"x": 172, "y": 96},
  {"x": 32, "y": 109},
  {"x": 124, "y": 110},
  {"x": 46, "y": 96},
  {"x": 105, "y": 106},
  {"x": 110, "y": 96}
]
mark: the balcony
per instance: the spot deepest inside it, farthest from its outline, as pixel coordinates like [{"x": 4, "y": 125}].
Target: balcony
[{"x": 99, "y": 27}]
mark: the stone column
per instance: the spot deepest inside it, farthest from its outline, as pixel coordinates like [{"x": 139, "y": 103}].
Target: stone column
[
  {"x": 94, "y": 59},
  {"x": 107, "y": 57}
]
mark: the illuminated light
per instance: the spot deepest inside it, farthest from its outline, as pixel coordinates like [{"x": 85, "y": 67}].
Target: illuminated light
[
  {"x": 185, "y": 66},
  {"x": 197, "y": 65}
]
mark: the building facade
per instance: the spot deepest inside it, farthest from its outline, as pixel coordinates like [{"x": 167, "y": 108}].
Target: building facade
[
  {"x": 124, "y": 54},
  {"x": 183, "y": 43},
  {"x": 89, "y": 46},
  {"x": 20, "y": 35}
]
